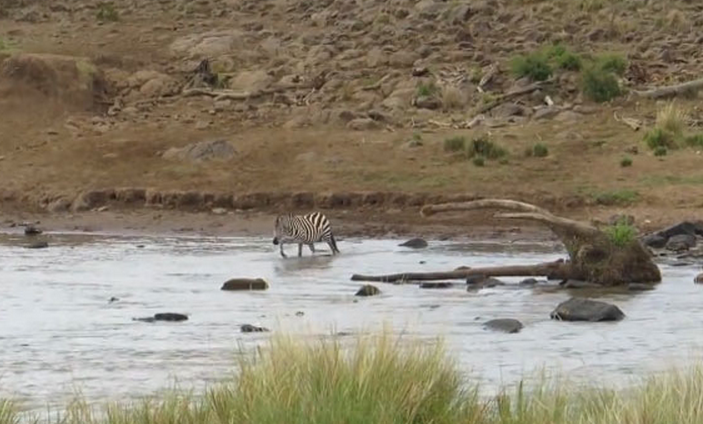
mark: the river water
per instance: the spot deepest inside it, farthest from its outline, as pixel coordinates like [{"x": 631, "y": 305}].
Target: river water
[{"x": 60, "y": 333}]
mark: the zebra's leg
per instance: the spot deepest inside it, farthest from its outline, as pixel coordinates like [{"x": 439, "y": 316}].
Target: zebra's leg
[
  {"x": 282, "y": 252},
  {"x": 300, "y": 249},
  {"x": 312, "y": 248}
]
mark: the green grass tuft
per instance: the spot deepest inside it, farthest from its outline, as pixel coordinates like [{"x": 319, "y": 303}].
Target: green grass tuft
[
  {"x": 107, "y": 12},
  {"x": 626, "y": 162},
  {"x": 540, "y": 150},
  {"x": 621, "y": 234},
  {"x": 534, "y": 66},
  {"x": 482, "y": 146},
  {"x": 695, "y": 140},
  {"x": 616, "y": 197},
  {"x": 454, "y": 144},
  {"x": 612, "y": 62},
  {"x": 479, "y": 161},
  {"x": 427, "y": 89},
  {"x": 599, "y": 85}
]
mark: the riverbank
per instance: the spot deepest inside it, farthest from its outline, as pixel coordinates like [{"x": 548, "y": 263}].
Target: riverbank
[{"x": 384, "y": 379}]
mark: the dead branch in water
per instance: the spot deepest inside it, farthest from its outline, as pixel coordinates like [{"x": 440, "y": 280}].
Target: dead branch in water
[
  {"x": 593, "y": 255},
  {"x": 557, "y": 269}
]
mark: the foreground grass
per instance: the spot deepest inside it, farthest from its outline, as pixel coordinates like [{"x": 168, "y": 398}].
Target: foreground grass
[{"x": 385, "y": 380}]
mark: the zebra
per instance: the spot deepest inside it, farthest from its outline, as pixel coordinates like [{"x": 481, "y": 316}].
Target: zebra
[{"x": 303, "y": 229}]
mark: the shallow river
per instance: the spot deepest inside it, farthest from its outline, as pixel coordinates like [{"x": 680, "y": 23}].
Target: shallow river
[{"x": 59, "y": 333}]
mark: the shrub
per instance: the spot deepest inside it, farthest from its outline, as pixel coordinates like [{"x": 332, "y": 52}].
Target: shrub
[
  {"x": 563, "y": 58},
  {"x": 612, "y": 62},
  {"x": 535, "y": 66},
  {"x": 621, "y": 234},
  {"x": 660, "y": 151},
  {"x": 672, "y": 119},
  {"x": 540, "y": 150},
  {"x": 484, "y": 147},
  {"x": 626, "y": 162},
  {"x": 453, "y": 97},
  {"x": 426, "y": 89},
  {"x": 599, "y": 85},
  {"x": 616, "y": 197},
  {"x": 454, "y": 144},
  {"x": 695, "y": 140},
  {"x": 107, "y": 12},
  {"x": 479, "y": 161}
]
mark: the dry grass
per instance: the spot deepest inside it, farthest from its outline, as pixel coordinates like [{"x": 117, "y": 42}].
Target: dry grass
[
  {"x": 453, "y": 97},
  {"x": 672, "y": 118},
  {"x": 386, "y": 380}
]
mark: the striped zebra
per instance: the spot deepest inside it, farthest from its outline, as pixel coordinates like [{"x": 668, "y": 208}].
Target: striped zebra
[{"x": 303, "y": 229}]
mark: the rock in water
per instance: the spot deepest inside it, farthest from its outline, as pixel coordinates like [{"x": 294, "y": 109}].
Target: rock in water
[
  {"x": 416, "y": 243},
  {"x": 528, "y": 282},
  {"x": 681, "y": 242},
  {"x": 38, "y": 245},
  {"x": 506, "y": 325},
  {"x": 698, "y": 279},
  {"x": 441, "y": 285},
  {"x": 368, "y": 290},
  {"x": 655, "y": 241},
  {"x": 248, "y": 328},
  {"x": 31, "y": 230},
  {"x": 236, "y": 284},
  {"x": 579, "y": 309},
  {"x": 163, "y": 316},
  {"x": 639, "y": 287}
]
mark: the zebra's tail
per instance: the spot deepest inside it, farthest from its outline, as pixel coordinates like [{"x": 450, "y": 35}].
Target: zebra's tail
[{"x": 333, "y": 244}]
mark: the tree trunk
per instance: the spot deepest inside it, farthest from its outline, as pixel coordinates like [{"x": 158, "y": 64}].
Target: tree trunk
[{"x": 594, "y": 255}]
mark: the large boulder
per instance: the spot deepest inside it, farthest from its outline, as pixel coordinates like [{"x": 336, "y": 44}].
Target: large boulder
[
  {"x": 579, "y": 309},
  {"x": 681, "y": 242}
]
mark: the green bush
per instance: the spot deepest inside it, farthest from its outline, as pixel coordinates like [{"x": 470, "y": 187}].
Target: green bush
[
  {"x": 454, "y": 144},
  {"x": 660, "y": 151},
  {"x": 540, "y": 150},
  {"x": 621, "y": 234},
  {"x": 534, "y": 66},
  {"x": 107, "y": 12},
  {"x": 612, "y": 62},
  {"x": 616, "y": 197},
  {"x": 484, "y": 147},
  {"x": 479, "y": 161},
  {"x": 427, "y": 89},
  {"x": 658, "y": 137},
  {"x": 626, "y": 162},
  {"x": 695, "y": 140},
  {"x": 599, "y": 85}
]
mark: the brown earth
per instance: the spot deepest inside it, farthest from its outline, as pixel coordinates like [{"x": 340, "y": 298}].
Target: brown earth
[{"x": 323, "y": 111}]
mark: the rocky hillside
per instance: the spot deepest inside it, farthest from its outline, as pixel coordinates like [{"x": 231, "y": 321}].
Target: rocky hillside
[{"x": 341, "y": 95}]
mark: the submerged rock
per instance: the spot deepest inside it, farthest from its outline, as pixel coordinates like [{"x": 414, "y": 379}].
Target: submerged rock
[
  {"x": 528, "y": 282},
  {"x": 237, "y": 284},
  {"x": 416, "y": 243},
  {"x": 37, "y": 245},
  {"x": 506, "y": 325},
  {"x": 639, "y": 287},
  {"x": 579, "y": 309},
  {"x": 698, "y": 279},
  {"x": 31, "y": 230},
  {"x": 433, "y": 285},
  {"x": 248, "y": 328},
  {"x": 578, "y": 284},
  {"x": 368, "y": 290},
  {"x": 480, "y": 282},
  {"x": 164, "y": 316},
  {"x": 681, "y": 242}
]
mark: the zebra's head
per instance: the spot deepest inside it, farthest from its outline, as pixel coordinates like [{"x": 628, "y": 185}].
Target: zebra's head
[{"x": 281, "y": 227}]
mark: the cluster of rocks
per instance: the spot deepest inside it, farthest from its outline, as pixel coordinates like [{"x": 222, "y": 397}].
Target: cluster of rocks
[{"x": 677, "y": 238}]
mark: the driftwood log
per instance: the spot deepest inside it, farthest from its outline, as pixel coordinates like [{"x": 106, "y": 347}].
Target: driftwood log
[
  {"x": 593, "y": 255},
  {"x": 673, "y": 90}
]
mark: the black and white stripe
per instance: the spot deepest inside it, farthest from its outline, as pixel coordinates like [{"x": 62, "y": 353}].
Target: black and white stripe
[{"x": 303, "y": 229}]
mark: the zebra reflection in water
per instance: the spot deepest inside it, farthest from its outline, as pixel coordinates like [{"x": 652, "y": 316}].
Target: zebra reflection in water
[{"x": 303, "y": 229}]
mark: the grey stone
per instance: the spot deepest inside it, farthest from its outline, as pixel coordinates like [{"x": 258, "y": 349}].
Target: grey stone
[
  {"x": 202, "y": 151},
  {"x": 579, "y": 309},
  {"x": 248, "y": 328},
  {"x": 368, "y": 290},
  {"x": 681, "y": 242},
  {"x": 415, "y": 243},
  {"x": 506, "y": 325}
]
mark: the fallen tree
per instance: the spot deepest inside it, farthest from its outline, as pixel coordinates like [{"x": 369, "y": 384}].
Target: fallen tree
[{"x": 595, "y": 256}]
